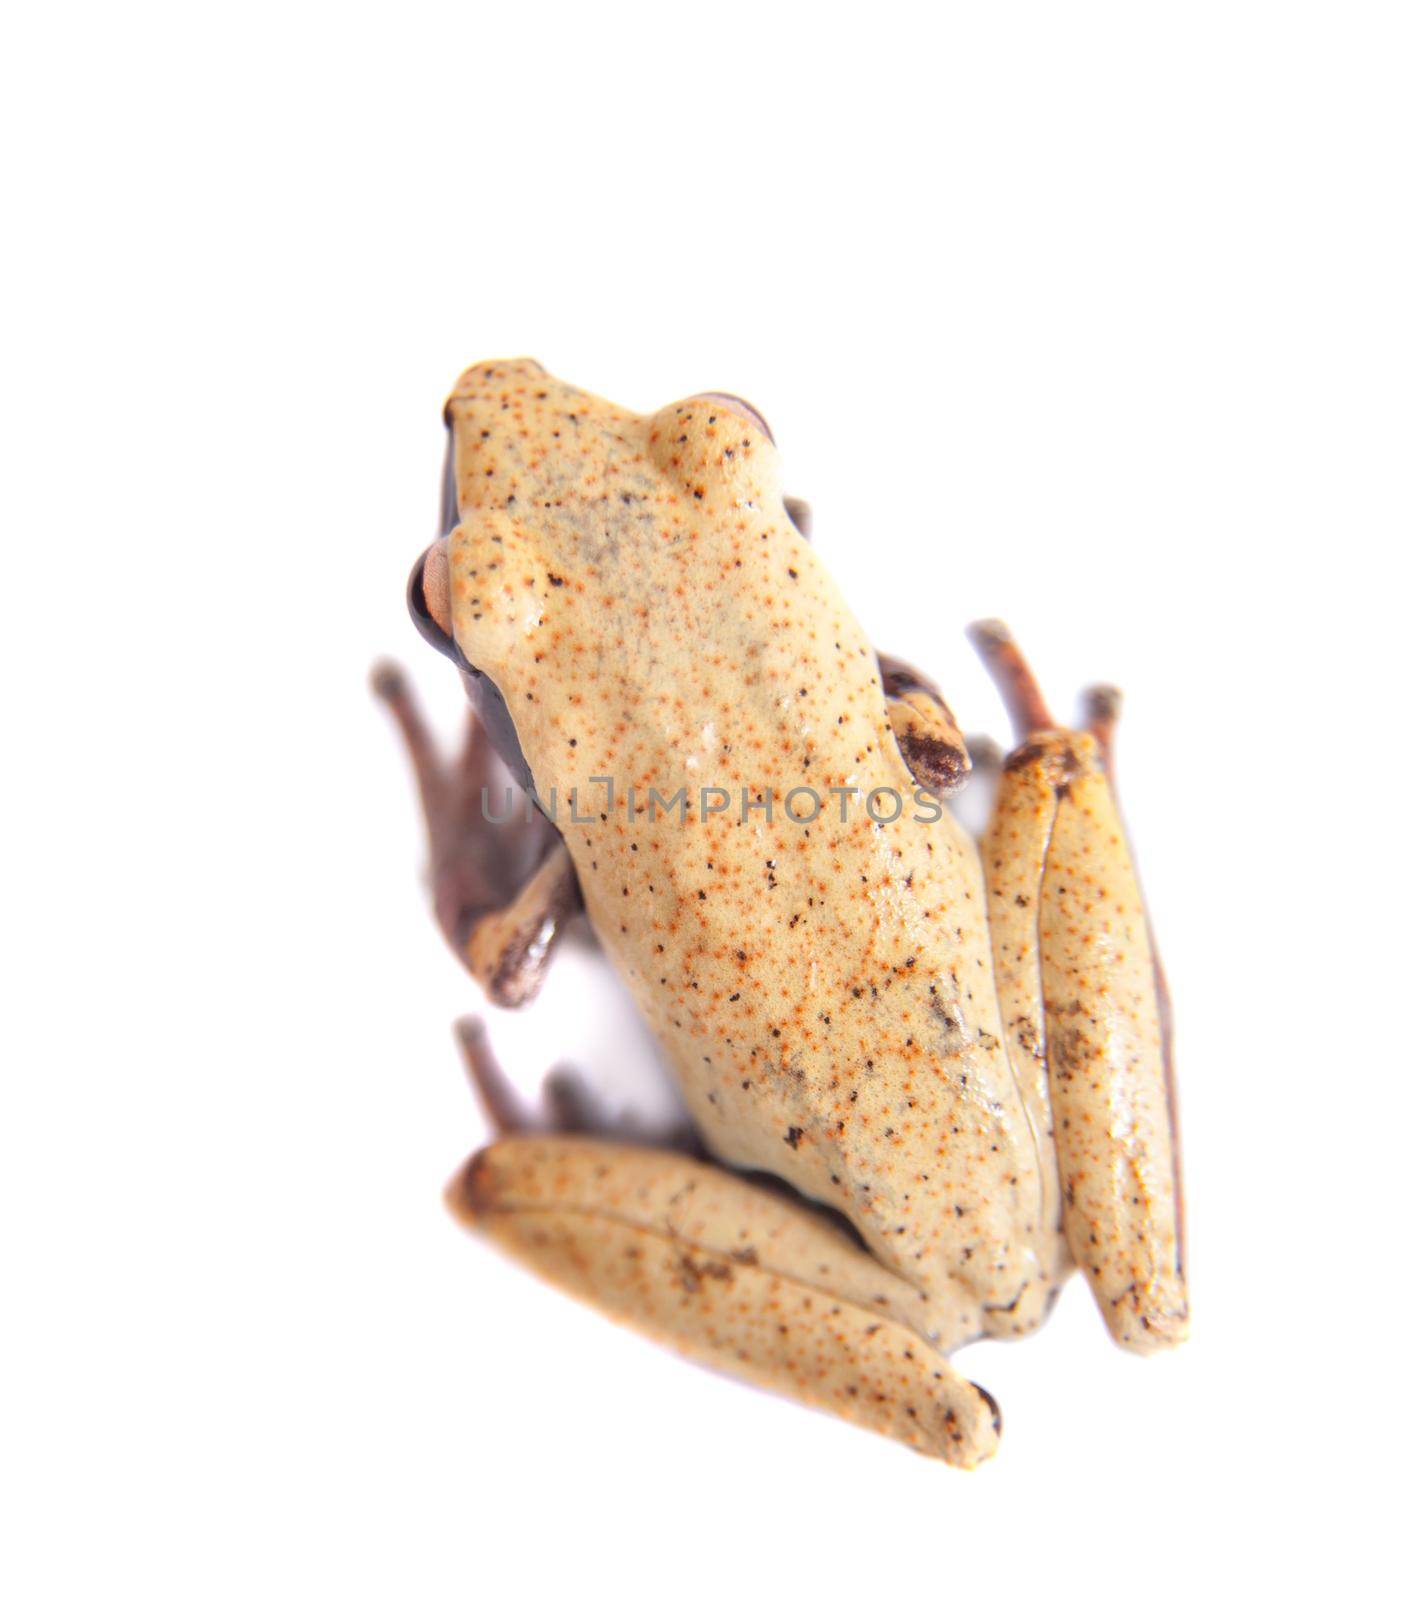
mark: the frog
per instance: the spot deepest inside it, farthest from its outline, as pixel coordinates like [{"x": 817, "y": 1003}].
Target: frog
[{"x": 928, "y": 1074}]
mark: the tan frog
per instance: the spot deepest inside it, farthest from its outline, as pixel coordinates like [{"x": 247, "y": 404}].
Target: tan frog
[{"x": 960, "y": 1052}]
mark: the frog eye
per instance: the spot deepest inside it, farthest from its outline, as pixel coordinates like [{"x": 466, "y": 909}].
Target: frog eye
[
  {"x": 430, "y": 599},
  {"x": 740, "y": 408}
]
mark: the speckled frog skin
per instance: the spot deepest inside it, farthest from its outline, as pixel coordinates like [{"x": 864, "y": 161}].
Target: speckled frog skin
[{"x": 839, "y": 1006}]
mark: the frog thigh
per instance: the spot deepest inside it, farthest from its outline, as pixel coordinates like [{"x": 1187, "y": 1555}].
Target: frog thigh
[
  {"x": 1077, "y": 985},
  {"x": 1103, "y": 1013},
  {"x": 727, "y": 1272},
  {"x": 1106, "y": 1066}
]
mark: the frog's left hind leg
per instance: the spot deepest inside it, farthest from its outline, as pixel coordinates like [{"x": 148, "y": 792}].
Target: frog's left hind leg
[
  {"x": 503, "y": 889},
  {"x": 736, "y": 1275}
]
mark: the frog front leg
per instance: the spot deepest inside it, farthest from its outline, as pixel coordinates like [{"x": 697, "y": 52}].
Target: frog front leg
[
  {"x": 1084, "y": 1004},
  {"x": 728, "y": 1272},
  {"x": 926, "y": 731},
  {"x": 503, "y": 885}
]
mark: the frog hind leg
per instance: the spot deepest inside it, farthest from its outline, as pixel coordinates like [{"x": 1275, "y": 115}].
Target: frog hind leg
[
  {"x": 1083, "y": 993},
  {"x": 738, "y": 1275},
  {"x": 1101, "y": 704},
  {"x": 503, "y": 884},
  {"x": 735, "y": 1276},
  {"x": 925, "y": 730}
]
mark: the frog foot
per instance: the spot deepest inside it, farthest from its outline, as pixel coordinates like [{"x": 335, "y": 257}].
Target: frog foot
[{"x": 568, "y": 1104}]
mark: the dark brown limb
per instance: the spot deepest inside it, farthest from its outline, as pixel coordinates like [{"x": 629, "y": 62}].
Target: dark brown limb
[
  {"x": 388, "y": 682},
  {"x": 495, "y": 1095},
  {"x": 1101, "y": 709},
  {"x": 570, "y": 1104},
  {"x": 1017, "y": 685},
  {"x": 503, "y": 886},
  {"x": 567, "y": 1103}
]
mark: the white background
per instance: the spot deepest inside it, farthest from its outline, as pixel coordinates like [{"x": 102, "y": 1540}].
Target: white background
[{"x": 1098, "y": 317}]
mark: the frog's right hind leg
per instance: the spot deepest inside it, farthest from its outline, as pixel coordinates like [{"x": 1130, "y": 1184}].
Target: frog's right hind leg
[
  {"x": 502, "y": 880},
  {"x": 1084, "y": 1003},
  {"x": 733, "y": 1274}
]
